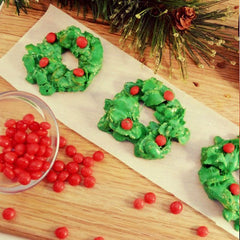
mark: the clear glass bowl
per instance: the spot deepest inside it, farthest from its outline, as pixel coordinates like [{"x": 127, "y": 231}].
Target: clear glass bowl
[{"x": 15, "y": 105}]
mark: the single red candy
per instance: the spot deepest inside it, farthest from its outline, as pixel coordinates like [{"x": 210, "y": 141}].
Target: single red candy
[
  {"x": 234, "y": 189},
  {"x": 86, "y": 171},
  {"x": 46, "y": 166},
  {"x": 32, "y": 138},
  {"x": 202, "y": 231},
  {"x": 41, "y": 132},
  {"x": 48, "y": 152},
  {"x": 138, "y": 203},
  {"x": 51, "y": 37},
  {"x": 134, "y": 90},
  {"x": 82, "y": 42},
  {"x": 10, "y": 123},
  {"x": 98, "y": 238},
  {"x": 35, "y": 165},
  {"x": 176, "y": 207},
  {"x": 8, "y": 172},
  {"x": 228, "y": 148},
  {"x": 74, "y": 179},
  {"x": 98, "y": 156},
  {"x": 32, "y": 148},
  {"x": 78, "y": 72},
  {"x": 71, "y": 150},
  {"x": 21, "y": 125},
  {"x": 61, "y": 232},
  {"x": 10, "y": 157},
  {"x": 10, "y": 131},
  {"x": 63, "y": 176},
  {"x": 36, "y": 175},
  {"x": 89, "y": 181},
  {"x": 5, "y": 141},
  {"x": 43, "y": 62},
  {"x": 62, "y": 142},
  {"x": 20, "y": 136},
  {"x": 35, "y": 126},
  {"x": 127, "y": 124},
  {"x": 72, "y": 167},
  {"x": 24, "y": 178},
  {"x": 150, "y": 197},
  {"x": 58, "y": 165},
  {"x": 161, "y": 140},
  {"x": 28, "y": 118},
  {"x": 8, "y": 213},
  {"x": 45, "y": 125},
  {"x": 52, "y": 176},
  {"x": 22, "y": 162},
  {"x": 78, "y": 158},
  {"x": 58, "y": 186},
  {"x": 168, "y": 95}
]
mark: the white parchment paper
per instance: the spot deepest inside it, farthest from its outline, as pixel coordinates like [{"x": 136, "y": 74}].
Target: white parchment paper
[{"x": 81, "y": 111}]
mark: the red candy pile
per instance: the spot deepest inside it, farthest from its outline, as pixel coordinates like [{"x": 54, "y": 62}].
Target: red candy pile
[
  {"x": 26, "y": 147},
  {"x": 75, "y": 172}
]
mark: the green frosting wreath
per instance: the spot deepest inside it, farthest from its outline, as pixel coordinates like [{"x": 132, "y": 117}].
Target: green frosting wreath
[
  {"x": 218, "y": 163},
  {"x": 44, "y": 61},
  {"x": 121, "y": 118}
]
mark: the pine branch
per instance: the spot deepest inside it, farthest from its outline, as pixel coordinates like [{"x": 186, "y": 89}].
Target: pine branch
[{"x": 187, "y": 27}]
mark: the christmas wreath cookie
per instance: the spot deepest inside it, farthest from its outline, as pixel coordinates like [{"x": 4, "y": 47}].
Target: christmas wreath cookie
[
  {"x": 45, "y": 67},
  {"x": 121, "y": 118},
  {"x": 218, "y": 163}
]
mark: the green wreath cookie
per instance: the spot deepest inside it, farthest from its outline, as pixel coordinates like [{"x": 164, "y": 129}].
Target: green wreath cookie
[
  {"x": 44, "y": 61},
  {"x": 121, "y": 118},
  {"x": 218, "y": 163}
]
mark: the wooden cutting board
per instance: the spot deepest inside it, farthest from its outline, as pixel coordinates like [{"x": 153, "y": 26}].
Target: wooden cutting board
[{"x": 106, "y": 210}]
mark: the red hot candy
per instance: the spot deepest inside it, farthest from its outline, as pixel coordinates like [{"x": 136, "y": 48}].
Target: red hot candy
[
  {"x": 78, "y": 72},
  {"x": 61, "y": 232},
  {"x": 43, "y": 62},
  {"x": 150, "y": 197},
  {"x": 134, "y": 90},
  {"x": 161, "y": 140},
  {"x": 138, "y": 203},
  {"x": 51, "y": 37},
  {"x": 98, "y": 156},
  {"x": 202, "y": 231},
  {"x": 234, "y": 189},
  {"x": 127, "y": 124},
  {"x": 82, "y": 42},
  {"x": 168, "y": 95},
  {"x": 176, "y": 207},
  {"x": 8, "y": 213},
  {"x": 228, "y": 148}
]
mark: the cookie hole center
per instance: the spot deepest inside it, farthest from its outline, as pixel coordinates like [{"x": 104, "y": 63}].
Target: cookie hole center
[
  {"x": 146, "y": 114},
  {"x": 69, "y": 60}
]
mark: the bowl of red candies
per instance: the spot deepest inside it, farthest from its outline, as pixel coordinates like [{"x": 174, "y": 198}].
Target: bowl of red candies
[{"x": 29, "y": 141}]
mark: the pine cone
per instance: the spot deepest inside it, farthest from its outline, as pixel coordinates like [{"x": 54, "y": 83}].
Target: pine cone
[{"x": 183, "y": 17}]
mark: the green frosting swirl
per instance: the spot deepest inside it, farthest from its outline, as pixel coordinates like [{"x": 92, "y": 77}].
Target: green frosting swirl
[
  {"x": 216, "y": 176},
  {"x": 56, "y": 77},
  {"x": 170, "y": 115}
]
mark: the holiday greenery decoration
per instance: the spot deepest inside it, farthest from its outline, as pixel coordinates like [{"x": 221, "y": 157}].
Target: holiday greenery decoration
[{"x": 194, "y": 29}]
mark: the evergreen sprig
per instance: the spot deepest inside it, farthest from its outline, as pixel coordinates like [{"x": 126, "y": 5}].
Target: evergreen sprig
[{"x": 154, "y": 23}]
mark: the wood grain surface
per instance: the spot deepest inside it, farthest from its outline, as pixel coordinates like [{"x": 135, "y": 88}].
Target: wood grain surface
[{"x": 106, "y": 210}]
